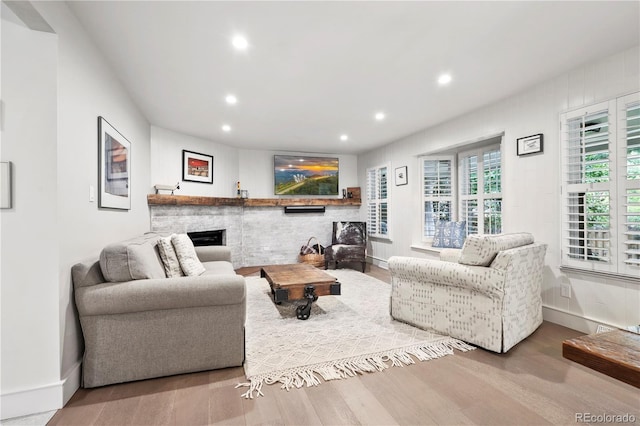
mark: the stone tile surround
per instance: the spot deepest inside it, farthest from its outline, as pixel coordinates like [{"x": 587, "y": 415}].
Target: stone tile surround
[{"x": 255, "y": 235}]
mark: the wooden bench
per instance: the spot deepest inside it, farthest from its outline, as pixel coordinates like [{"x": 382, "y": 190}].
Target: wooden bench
[{"x": 614, "y": 353}]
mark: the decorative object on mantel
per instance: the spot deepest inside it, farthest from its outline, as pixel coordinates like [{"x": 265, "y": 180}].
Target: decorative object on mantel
[
  {"x": 115, "y": 167},
  {"x": 5, "y": 185},
  {"x": 353, "y": 192},
  {"x": 197, "y": 167},
  {"x": 171, "y": 188},
  {"x": 530, "y": 144},
  {"x": 401, "y": 175}
]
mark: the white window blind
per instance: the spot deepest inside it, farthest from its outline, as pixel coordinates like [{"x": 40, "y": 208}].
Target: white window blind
[
  {"x": 601, "y": 186},
  {"x": 629, "y": 183},
  {"x": 438, "y": 183},
  {"x": 480, "y": 175},
  {"x": 377, "y": 201}
]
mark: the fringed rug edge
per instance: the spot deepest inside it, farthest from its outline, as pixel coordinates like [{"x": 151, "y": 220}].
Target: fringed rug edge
[{"x": 309, "y": 375}]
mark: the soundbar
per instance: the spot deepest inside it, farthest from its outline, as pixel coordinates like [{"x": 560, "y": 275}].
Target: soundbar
[{"x": 304, "y": 209}]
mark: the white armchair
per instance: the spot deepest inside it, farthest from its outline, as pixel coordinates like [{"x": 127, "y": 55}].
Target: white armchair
[{"x": 490, "y": 297}]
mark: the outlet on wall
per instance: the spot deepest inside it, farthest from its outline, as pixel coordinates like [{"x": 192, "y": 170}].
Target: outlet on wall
[{"x": 565, "y": 290}]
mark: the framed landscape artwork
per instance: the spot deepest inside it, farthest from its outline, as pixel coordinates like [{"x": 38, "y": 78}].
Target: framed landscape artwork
[
  {"x": 305, "y": 175},
  {"x": 114, "y": 167},
  {"x": 197, "y": 167}
]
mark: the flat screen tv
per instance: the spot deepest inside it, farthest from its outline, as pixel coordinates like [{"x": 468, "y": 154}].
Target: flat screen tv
[{"x": 304, "y": 175}]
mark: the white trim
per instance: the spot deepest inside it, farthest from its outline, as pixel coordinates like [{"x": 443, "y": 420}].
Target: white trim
[
  {"x": 426, "y": 248},
  {"x": 40, "y": 399},
  {"x": 71, "y": 382},
  {"x": 572, "y": 320},
  {"x": 378, "y": 261}
]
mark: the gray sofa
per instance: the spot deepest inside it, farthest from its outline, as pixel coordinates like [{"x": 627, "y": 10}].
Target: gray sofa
[{"x": 151, "y": 326}]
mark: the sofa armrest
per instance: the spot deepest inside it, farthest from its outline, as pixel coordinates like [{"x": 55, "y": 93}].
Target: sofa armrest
[
  {"x": 213, "y": 253},
  {"x": 160, "y": 294},
  {"x": 486, "y": 280}
]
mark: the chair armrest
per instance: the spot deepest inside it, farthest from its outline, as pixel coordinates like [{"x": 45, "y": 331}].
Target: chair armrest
[
  {"x": 213, "y": 253},
  {"x": 486, "y": 280},
  {"x": 160, "y": 294}
]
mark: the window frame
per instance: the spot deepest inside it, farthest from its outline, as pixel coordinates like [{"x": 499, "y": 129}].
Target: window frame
[
  {"x": 453, "y": 211},
  {"x": 457, "y": 179},
  {"x": 578, "y": 237},
  {"x": 376, "y": 202}
]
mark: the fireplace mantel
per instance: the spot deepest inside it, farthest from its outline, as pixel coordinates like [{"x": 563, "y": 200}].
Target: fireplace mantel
[{"x": 188, "y": 200}]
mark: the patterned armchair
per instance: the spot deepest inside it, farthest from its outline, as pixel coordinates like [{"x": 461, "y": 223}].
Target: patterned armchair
[
  {"x": 487, "y": 294},
  {"x": 348, "y": 244}
]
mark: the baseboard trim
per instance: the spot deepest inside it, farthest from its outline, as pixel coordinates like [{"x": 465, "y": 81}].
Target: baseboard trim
[
  {"x": 71, "y": 382},
  {"x": 40, "y": 399},
  {"x": 572, "y": 320},
  {"x": 378, "y": 261}
]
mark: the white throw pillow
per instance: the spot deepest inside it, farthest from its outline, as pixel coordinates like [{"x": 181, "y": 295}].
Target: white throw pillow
[
  {"x": 169, "y": 258},
  {"x": 187, "y": 256}
]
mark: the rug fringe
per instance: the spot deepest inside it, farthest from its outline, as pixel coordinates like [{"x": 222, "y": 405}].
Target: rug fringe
[{"x": 350, "y": 367}]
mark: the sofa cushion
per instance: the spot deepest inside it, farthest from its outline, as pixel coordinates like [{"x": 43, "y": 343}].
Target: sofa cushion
[
  {"x": 189, "y": 262},
  {"x": 480, "y": 250},
  {"x": 169, "y": 258},
  {"x": 218, "y": 267},
  {"x": 135, "y": 259},
  {"x": 449, "y": 234}
]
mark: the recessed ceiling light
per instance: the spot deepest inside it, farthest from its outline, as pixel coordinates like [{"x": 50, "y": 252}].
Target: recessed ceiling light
[
  {"x": 444, "y": 79},
  {"x": 240, "y": 42},
  {"x": 231, "y": 99},
  {"x": 226, "y": 128},
  {"x": 344, "y": 137},
  {"x": 380, "y": 116}
]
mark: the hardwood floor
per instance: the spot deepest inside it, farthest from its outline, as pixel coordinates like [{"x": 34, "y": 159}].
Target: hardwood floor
[{"x": 530, "y": 385}]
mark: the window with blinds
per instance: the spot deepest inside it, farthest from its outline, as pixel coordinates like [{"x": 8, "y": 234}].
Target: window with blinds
[
  {"x": 629, "y": 137},
  {"x": 480, "y": 175},
  {"x": 464, "y": 187},
  {"x": 438, "y": 192},
  {"x": 377, "y": 201},
  {"x": 601, "y": 186}
]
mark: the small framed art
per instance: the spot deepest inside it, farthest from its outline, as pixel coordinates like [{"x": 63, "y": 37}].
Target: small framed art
[
  {"x": 530, "y": 144},
  {"x": 401, "y": 176},
  {"x": 197, "y": 167},
  {"x": 114, "y": 167}
]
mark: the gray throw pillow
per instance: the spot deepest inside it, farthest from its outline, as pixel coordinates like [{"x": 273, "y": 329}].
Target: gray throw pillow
[{"x": 187, "y": 256}]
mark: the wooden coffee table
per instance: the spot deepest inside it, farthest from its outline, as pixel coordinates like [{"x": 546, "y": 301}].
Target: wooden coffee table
[
  {"x": 614, "y": 353},
  {"x": 299, "y": 281}
]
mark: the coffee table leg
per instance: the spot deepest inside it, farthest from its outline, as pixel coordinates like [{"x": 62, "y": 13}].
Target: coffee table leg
[{"x": 304, "y": 312}]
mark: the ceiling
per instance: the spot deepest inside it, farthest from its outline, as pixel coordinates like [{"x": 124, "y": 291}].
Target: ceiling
[{"x": 316, "y": 70}]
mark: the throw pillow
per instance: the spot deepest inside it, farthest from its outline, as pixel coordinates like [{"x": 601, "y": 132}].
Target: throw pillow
[
  {"x": 450, "y": 234},
  {"x": 169, "y": 258},
  {"x": 187, "y": 256}
]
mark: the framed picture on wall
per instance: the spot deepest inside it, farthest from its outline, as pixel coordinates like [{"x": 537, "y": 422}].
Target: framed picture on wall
[
  {"x": 401, "y": 176},
  {"x": 530, "y": 144},
  {"x": 114, "y": 154},
  {"x": 197, "y": 167}
]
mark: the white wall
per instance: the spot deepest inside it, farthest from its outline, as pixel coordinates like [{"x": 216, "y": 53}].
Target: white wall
[
  {"x": 86, "y": 88},
  {"x": 166, "y": 164},
  {"x": 30, "y": 346},
  {"x": 531, "y": 184}
]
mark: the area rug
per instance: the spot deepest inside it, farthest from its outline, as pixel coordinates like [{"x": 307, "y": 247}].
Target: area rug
[{"x": 345, "y": 336}]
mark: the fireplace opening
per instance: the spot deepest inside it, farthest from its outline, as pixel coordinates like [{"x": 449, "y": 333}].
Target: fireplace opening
[{"x": 216, "y": 237}]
